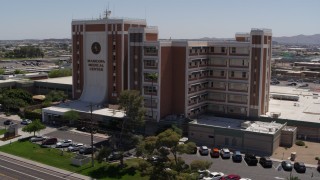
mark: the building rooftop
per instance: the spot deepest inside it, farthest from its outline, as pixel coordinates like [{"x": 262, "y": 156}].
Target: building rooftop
[
  {"x": 60, "y": 80},
  {"x": 252, "y": 126},
  {"x": 83, "y": 107},
  {"x": 307, "y": 108}
]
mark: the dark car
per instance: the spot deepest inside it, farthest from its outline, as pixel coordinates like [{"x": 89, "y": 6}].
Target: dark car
[
  {"x": 251, "y": 159},
  {"x": 87, "y": 150},
  {"x": 50, "y": 141},
  {"x": 204, "y": 151},
  {"x": 286, "y": 165},
  {"x": 237, "y": 157},
  {"x": 299, "y": 167},
  {"x": 318, "y": 168},
  {"x": 265, "y": 162},
  {"x": 8, "y": 122}
]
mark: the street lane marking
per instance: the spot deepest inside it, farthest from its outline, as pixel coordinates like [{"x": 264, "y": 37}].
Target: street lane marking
[
  {"x": 39, "y": 170},
  {"x": 7, "y": 176},
  {"x": 21, "y": 172}
]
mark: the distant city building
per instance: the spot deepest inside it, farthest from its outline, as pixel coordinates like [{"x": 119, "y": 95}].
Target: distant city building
[{"x": 223, "y": 77}]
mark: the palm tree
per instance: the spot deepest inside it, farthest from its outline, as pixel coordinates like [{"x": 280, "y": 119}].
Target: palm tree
[{"x": 153, "y": 77}]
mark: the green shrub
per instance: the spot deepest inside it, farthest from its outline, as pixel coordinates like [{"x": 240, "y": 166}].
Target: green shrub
[
  {"x": 317, "y": 158},
  {"x": 300, "y": 143}
]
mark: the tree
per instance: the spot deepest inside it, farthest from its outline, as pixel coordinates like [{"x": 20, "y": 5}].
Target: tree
[
  {"x": 293, "y": 177},
  {"x": 131, "y": 102},
  {"x": 153, "y": 77},
  {"x": 60, "y": 73},
  {"x": 54, "y": 96},
  {"x": 18, "y": 71},
  {"x": 2, "y": 71},
  {"x": 34, "y": 127},
  {"x": 170, "y": 139},
  {"x": 71, "y": 115}
]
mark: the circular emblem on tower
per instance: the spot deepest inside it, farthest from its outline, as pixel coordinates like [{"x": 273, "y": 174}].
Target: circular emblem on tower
[{"x": 95, "y": 48}]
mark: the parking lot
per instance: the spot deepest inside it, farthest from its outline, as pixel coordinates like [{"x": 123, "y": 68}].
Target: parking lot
[
  {"x": 76, "y": 137},
  {"x": 227, "y": 166}
]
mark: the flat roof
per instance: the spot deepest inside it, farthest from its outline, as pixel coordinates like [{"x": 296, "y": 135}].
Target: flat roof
[
  {"x": 83, "y": 107},
  {"x": 250, "y": 126},
  {"x": 306, "y": 109},
  {"x": 59, "y": 80}
]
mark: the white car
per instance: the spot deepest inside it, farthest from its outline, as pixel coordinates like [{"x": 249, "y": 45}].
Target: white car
[
  {"x": 75, "y": 147},
  {"x": 37, "y": 138},
  {"x": 214, "y": 176},
  {"x": 203, "y": 173},
  {"x": 245, "y": 179},
  {"x": 225, "y": 153},
  {"x": 64, "y": 143}
]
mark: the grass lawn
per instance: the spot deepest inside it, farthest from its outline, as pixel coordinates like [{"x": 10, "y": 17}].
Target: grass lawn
[
  {"x": 52, "y": 157},
  {"x": 2, "y": 131}
]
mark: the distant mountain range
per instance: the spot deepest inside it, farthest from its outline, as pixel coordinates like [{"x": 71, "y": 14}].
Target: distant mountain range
[{"x": 299, "y": 39}]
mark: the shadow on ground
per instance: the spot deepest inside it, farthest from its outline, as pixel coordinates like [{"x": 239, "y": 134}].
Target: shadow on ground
[{"x": 112, "y": 171}]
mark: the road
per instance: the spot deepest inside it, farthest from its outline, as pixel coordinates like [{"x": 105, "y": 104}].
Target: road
[
  {"x": 14, "y": 169},
  {"x": 227, "y": 166}
]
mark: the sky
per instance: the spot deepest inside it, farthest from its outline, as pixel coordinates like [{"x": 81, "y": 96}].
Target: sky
[{"x": 176, "y": 19}]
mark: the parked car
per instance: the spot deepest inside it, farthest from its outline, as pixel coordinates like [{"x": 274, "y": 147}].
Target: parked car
[
  {"x": 203, "y": 173},
  {"x": 87, "y": 150},
  {"x": 265, "y": 162},
  {"x": 7, "y": 122},
  {"x": 292, "y": 84},
  {"x": 214, "y": 176},
  {"x": 236, "y": 156},
  {"x": 225, "y": 153},
  {"x": 75, "y": 147},
  {"x": 299, "y": 167},
  {"x": 37, "y": 138},
  {"x": 64, "y": 143},
  {"x": 50, "y": 141},
  {"x": 251, "y": 159},
  {"x": 304, "y": 85},
  {"x": 114, "y": 156},
  {"x": 26, "y": 121},
  {"x": 286, "y": 165},
  {"x": 231, "y": 177},
  {"x": 204, "y": 151},
  {"x": 215, "y": 153},
  {"x": 290, "y": 80}
]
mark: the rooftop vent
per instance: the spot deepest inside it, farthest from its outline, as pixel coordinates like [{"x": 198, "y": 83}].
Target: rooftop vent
[{"x": 275, "y": 114}]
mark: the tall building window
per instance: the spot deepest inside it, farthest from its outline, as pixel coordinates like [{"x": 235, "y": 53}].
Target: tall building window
[
  {"x": 212, "y": 49},
  {"x": 244, "y": 74},
  {"x": 223, "y": 49},
  {"x": 221, "y": 73},
  {"x": 233, "y": 50},
  {"x": 232, "y": 73}
]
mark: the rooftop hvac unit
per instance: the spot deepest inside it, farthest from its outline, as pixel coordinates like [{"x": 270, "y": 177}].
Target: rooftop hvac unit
[
  {"x": 245, "y": 124},
  {"x": 275, "y": 114}
]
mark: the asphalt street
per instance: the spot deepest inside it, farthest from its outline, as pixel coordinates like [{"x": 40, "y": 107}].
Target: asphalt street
[{"x": 14, "y": 169}]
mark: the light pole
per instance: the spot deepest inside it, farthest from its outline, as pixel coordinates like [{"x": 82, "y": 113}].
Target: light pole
[{"x": 91, "y": 124}]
